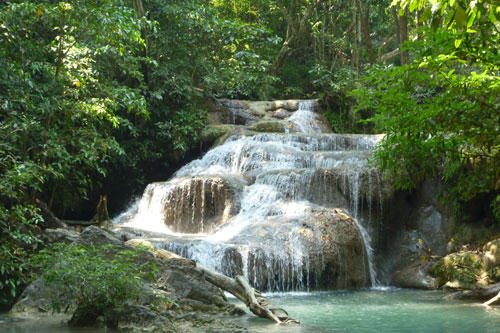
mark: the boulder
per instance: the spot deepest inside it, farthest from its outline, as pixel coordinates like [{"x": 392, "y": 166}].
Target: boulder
[
  {"x": 99, "y": 237},
  {"x": 290, "y": 105},
  {"x": 281, "y": 114},
  {"x": 59, "y": 236},
  {"x": 323, "y": 249},
  {"x": 414, "y": 276},
  {"x": 196, "y": 204}
]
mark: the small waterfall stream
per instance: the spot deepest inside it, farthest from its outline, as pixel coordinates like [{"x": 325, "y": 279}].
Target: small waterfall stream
[{"x": 290, "y": 211}]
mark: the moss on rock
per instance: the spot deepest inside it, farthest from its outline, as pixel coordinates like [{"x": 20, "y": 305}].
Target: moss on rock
[
  {"x": 269, "y": 126},
  {"x": 213, "y": 135}
]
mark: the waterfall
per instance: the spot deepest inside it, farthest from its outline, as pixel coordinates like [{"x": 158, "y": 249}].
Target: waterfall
[{"x": 283, "y": 209}]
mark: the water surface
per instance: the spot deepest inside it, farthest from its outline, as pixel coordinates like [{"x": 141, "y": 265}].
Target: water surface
[{"x": 382, "y": 310}]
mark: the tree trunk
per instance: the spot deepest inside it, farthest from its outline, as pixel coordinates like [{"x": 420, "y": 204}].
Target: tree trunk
[
  {"x": 403, "y": 26},
  {"x": 139, "y": 8},
  {"x": 355, "y": 45},
  {"x": 364, "y": 19},
  {"x": 493, "y": 300},
  {"x": 101, "y": 214},
  {"x": 240, "y": 288}
]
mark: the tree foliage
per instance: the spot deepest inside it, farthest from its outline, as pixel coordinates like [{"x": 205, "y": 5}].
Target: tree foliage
[
  {"x": 93, "y": 278},
  {"x": 440, "y": 112}
]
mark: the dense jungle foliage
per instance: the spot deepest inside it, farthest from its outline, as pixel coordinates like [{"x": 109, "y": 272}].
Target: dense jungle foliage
[{"x": 99, "y": 96}]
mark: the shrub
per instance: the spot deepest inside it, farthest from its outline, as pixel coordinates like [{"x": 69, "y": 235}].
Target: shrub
[{"x": 96, "y": 278}]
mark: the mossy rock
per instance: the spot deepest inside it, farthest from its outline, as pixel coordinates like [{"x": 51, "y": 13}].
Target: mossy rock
[
  {"x": 463, "y": 270},
  {"x": 214, "y": 135},
  {"x": 269, "y": 126}
]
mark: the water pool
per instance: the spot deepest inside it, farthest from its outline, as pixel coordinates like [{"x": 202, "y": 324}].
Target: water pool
[
  {"x": 374, "y": 310},
  {"x": 379, "y": 310}
]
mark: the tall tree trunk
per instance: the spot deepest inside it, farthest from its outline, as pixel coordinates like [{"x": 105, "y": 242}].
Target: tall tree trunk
[
  {"x": 403, "y": 26},
  {"x": 355, "y": 55},
  {"x": 364, "y": 20}
]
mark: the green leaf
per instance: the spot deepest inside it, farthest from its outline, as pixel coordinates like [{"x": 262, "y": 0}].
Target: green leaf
[
  {"x": 457, "y": 43},
  {"x": 460, "y": 17},
  {"x": 492, "y": 16},
  {"x": 426, "y": 15}
]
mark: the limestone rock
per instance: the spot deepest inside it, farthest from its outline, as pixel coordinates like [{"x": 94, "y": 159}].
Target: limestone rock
[
  {"x": 325, "y": 251},
  {"x": 281, "y": 114},
  {"x": 197, "y": 204},
  {"x": 96, "y": 236},
  {"x": 290, "y": 105},
  {"x": 414, "y": 276},
  {"x": 269, "y": 126},
  {"x": 59, "y": 236}
]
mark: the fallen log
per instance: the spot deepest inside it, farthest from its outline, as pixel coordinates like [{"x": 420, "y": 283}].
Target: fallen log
[
  {"x": 493, "y": 300},
  {"x": 241, "y": 289}
]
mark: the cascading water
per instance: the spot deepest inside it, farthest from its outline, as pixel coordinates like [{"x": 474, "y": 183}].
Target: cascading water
[{"x": 273, "y": 207}]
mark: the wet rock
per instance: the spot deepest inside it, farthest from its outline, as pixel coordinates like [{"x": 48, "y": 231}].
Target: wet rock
[
  {"x": 197, "y": 204},
  {"x": 323, "y": 249},
  {"x": 281, "y": 114},
  {"x": 414, "y": 276},
  {"x": 38, "y": 299},
  {"x": 269, "y": 127},
  {"x": 139, "y": 318},
  {"x": 214, "y": 135}
]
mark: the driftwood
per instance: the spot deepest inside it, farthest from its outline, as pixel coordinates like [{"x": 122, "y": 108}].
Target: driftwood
[
  {"x": 493, "y": 300},
  {"x": 241, "y": 289}
]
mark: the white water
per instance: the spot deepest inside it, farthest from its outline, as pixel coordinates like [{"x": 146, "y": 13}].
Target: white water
[{"x": 279, "y": 181}]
